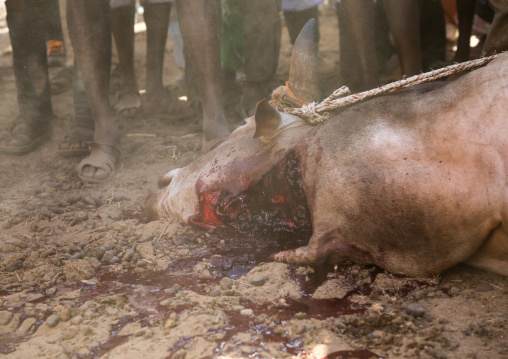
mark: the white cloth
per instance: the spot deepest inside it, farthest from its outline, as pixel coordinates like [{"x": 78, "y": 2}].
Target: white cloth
[{"x": 298, "y": 5}]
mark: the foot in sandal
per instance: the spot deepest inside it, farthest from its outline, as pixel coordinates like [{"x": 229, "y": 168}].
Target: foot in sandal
[
  {"x": 100, "y": 165},
  {"x": 25, "y": 136},
  {"x": 128, "y": 104},
  {"x": 77, "y": 141}
]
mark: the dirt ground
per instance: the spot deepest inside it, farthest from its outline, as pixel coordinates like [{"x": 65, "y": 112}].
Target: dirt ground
[{"x": 84, "y": 275}]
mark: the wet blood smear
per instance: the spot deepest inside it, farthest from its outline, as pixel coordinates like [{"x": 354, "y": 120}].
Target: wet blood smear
[{"x": 275, "y": 204}]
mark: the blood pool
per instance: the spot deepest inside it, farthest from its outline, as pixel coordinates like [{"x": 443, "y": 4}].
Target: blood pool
[{"x": 275, "y": 204}]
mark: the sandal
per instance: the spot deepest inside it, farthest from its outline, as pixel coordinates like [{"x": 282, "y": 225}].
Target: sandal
[
  {"x": 103, "y": 158},
  {"x": 25, "y": 136},
  {"x": 128, "y": 104},
  {"x": 77, "y": 142}
]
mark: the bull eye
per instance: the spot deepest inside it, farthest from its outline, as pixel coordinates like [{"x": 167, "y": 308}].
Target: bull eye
[{"x": 274, "y": 204}]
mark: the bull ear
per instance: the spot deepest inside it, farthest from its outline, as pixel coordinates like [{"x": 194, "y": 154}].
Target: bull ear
[
  {"x": 304, "y": 69},
  {"x": 267, "y": 119}
]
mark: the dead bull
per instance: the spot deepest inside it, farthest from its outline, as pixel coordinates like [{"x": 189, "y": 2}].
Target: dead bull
[{"x": 414, "y": 182}]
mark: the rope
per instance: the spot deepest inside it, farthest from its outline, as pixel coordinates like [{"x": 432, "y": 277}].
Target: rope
[{"x": 316, "y": 113}]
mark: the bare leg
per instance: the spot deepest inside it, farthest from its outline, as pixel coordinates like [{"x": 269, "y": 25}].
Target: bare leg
[
  {"x": 465, "y": 11},
  {"x": 122, "y": 26},
  {"x": 157, "y": 23},
  {"x": 200, "y": 24},
  {"x": 405, "y": 27},
  {"x": 359, "y": 19},
  {"x": 90, "y": 32}
]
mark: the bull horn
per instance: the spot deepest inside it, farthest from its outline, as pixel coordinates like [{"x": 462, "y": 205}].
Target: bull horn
[{"x": 304, "y": 71}]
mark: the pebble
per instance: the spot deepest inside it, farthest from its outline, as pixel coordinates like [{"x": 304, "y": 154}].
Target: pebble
[
  {"x": 301, "y": 315},
  {"x": 108, "y": 256},
  {"x": 170, "y": 323},
  {"x": 145, "y": 250},
  {"x": 258, "y": 280},
  {"x": 179, "y": 240},
  {"x": 216, "y": 292},
  {"x": 48, "y": 252},
  {"x": 65, "y": 313},
  {"x": 415, "y": 309},
  {"x": 115, "y": 259},
  {"x": 181, "y": 354},
  {"x": 227, "y": 264},
  {"x": 17, "y": 243},
  {"x": 89, "y": 312},
  {"x": 89, "y": 200},
  {"x": 278, "y": 330},
  {"x": 70, "y": 332},
  {"x": 226, "y": 283},
  {"x": 140, "y": 332},
  {"x": 112, "y": 311},
  {"x": 135, "y": 258},
  {"x": 14, "y": 265},
  {"x": 170, "y": 291},
  {"x": 129, "y": 253},
  {"x": 7, "y": 224},
  {"x": 96, "y": 252},
  {"x": 5, "y": 317},
  {"x": 77, "y": 320},
  {"x": 52, "y": 320},
  {"x": 247, "y": 312}
]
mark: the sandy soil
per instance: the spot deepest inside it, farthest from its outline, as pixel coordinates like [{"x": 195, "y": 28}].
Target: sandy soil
[{"x": 83, "y": 275}]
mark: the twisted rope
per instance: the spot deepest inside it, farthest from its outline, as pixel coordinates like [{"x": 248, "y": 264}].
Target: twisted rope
[{"x": 316, "y": 113}]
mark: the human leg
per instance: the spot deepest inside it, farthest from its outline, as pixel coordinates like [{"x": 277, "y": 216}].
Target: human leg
[
  {"x": 122, "y": 26},
  {"x": 357, "y": 19},
  {"x": 262, "y": 33},
  {"x": 194, "y": 16},
  {"x": 90, "y": 28},
  {"x": 32, "y": 127},
  {"x": 405, "y": 28}
]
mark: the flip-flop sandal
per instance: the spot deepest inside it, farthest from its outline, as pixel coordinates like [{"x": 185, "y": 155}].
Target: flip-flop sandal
[
  {"x": 28, "y": 134},
  {"x": 99, "y": 160},
  {"x": 78, "y": 143},
  {"x": 128, "y": 104},
  {"x": 62, "y": 81},
  {"x": 210, "y": 145}
]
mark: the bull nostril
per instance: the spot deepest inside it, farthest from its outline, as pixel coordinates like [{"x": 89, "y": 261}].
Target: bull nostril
[{"x": 163, "y": 182}]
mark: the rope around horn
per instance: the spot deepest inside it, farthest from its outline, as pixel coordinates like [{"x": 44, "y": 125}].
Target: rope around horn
[{"x": 315, "y": 113}]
